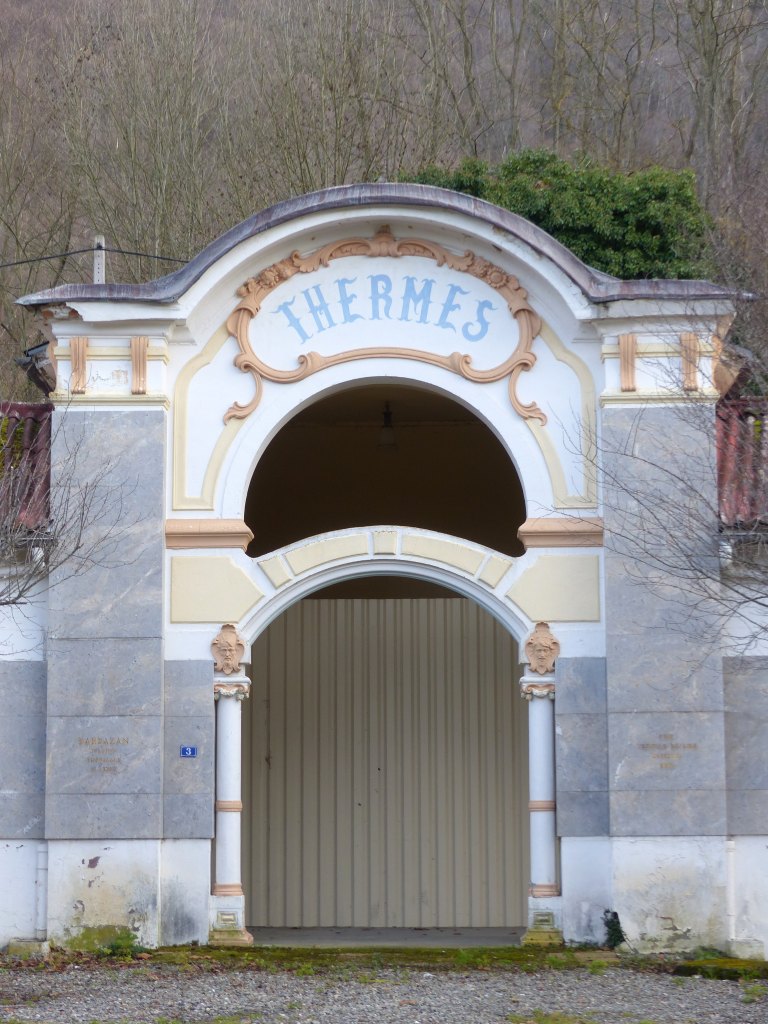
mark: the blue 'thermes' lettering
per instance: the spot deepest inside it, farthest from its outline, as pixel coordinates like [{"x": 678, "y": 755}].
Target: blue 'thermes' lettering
[
  {"x": 482, "y": 324},
  {"x": 318, "y": 308},
  {"x": 346, "y": 299},
  {"x": 381, "y": 294},
  {"x": 449, "y": 306},
  {"x": 293, "y": 320},
  {"x": 420, "y": 298}
]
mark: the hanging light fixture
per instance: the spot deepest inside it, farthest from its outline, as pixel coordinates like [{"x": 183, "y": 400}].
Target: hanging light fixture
[{"x": 387, "y": 432}]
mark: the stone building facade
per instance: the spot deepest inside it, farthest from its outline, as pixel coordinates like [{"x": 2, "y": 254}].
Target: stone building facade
[{"x": 386, "y": 460}]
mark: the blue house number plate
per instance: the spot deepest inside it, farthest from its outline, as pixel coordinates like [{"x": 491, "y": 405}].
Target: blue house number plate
[{"x": 187, "y": 751}]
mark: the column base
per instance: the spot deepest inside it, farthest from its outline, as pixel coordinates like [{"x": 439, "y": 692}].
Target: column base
[
  {"x": 544, "y": 922},
  {"x": 227, "y": 921}
]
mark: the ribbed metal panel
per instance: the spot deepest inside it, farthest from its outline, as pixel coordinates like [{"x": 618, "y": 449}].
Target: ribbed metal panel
[{"x": 384, "y": 772}]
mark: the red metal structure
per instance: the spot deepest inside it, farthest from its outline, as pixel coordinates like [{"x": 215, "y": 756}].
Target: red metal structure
[{"x": 25, "y": 464}]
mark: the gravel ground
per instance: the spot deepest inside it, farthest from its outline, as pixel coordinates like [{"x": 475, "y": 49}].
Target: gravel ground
[{"x": 147, "y": 994}]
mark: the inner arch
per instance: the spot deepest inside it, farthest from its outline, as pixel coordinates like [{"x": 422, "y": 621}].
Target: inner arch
[{"x": 331, "y": 468}]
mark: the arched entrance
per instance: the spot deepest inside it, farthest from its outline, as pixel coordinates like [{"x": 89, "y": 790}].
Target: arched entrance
[{"x": 385, "y": 764}]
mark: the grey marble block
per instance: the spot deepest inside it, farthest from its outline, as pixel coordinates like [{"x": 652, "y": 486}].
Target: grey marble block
[
  {"x": 103, "y": 816},
  {"x": 748, "y": 812},
  {"x": 188, "y": 816},
  {"x": 581, "y": 685},
  {"x": 652, "y": 671},
  {"x": 105, "y": 677},
  {"x": 22, "y": 815},
  {"x": 22, "y": 686},
  {"x": 121, "y": 600},
  {"x": 674, "y": 751},
  {"x": 189, "y": 688},
  {"x": 581, "y": 752},
  {"x": 746, "y": 751},
  {"x": 746, "y": 685},
  {"x": 117, "y": 754},
  {"x": 189, "y": 774},
  {"x": 582, "y": 814},
  {"x": 120, "y": 456},
  {"x": 668, "y": 813},
  {"x": 22, "y": 753}
]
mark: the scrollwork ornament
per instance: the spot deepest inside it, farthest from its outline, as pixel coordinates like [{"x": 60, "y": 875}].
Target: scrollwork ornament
[
  {"x": 239, "y": 690},
  {"x": 228, "y": 649},
  {"x": 255, "y": 290},
  {"x": 530, "y": 690},
  {"x": 541, "y": 649}
]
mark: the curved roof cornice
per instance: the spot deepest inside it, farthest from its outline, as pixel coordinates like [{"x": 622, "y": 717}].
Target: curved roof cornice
[{"x": 595, "y": 285}]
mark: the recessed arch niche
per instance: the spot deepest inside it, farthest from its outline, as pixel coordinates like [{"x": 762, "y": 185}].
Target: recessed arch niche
[{"x": 389, "y": 454}]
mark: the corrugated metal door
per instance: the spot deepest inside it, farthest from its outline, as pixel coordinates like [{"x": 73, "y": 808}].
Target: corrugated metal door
[{"x": 385, "y": 768}]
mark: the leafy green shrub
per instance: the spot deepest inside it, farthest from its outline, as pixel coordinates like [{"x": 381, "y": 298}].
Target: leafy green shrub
[{"x": 633, "y": 225}]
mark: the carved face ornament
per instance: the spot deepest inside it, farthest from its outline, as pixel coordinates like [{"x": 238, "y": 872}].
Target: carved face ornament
[
  {"x": 228, "y": 650},
  {"x": 541, "y": 649}
]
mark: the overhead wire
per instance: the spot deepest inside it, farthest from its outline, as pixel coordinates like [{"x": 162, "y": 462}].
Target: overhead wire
[{"x": 91, "y": 248}]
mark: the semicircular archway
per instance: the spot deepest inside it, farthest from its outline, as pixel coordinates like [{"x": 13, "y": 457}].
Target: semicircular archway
[{"x": 385, "y": 453}]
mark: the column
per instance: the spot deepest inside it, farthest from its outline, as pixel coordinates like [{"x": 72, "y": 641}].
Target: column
[
  {"x": 537, "y": 687},
  {"x": 230, "y": 688},
  {"x": 229, "y": 696},
  {"x": 540, "y": 694}
]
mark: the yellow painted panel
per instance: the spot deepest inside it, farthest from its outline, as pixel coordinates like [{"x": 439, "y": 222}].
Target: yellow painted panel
[
  {"x": 275, "y": 571},
  {"x": 560, "y": 588},
  {"x": 210, "y": 589},
  {"x": 385, "y": 542},
  {"x": 330, "y": 550},
  {"x": 494, "y": 569},
  {"x": 459, "y": 555}
]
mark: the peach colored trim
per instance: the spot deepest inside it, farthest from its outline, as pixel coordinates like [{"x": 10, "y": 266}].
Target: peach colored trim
[
  {"x": 207, "y": 533},
  {"x": 227, "y": 889},
  {"x": 541, "y": 805},
  {"x": 627, "y": 357},
  {"x": 229, "y": 805},
  {"x": 139, "y": 349},
  {"x": 530, "y": 690},
  {"x": 689, "y": 351},
  {"x": 78, "y": 348},
  {"x": 238, "y": 690},
  {"x": 562, "y": 533},
  {"x": 544, "y": 890},
  {"x": 383, "y": 243}
]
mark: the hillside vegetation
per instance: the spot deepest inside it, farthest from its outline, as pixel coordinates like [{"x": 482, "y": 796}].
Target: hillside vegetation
[{"x": 160, "y": 123}]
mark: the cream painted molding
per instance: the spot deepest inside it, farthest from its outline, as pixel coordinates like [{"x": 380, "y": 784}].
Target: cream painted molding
[
  {"x": 139, "y": 348},
  {"x": 643, "y": 398},
  {"x": 654, "y": 349},
  {"x": 562, "y": 533},
  {"x": 559, "y": 588},
  {"x": 204, "y": 501},
  {"x": 207, "y": 533},
  {"x": 627, "y": 358},
  {"x": 78, "y": 348},
  {"x": 487, "y": 566},
  {"x": 383, "y": 243},
  {"x": 112, "y": 353},
  {"x": 65, "y": 398},
  {"x": 562, "y": 498},
  {"x": 210, "y": 588}
]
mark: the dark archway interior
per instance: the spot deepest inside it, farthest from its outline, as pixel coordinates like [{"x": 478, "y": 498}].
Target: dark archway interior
[{"x": 333, "y": 466}]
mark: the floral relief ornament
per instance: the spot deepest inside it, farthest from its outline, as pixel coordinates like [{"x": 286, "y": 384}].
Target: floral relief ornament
[
  {"x": 228, "y": 650},
  {"x": 541, "y": 649},
  {"x": 255, "y": 290}
]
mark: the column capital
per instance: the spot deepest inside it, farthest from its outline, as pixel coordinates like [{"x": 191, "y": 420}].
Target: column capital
[
  {"x": 530, "y": 688},
  {"x": 237, "y": 688}
]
